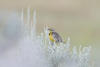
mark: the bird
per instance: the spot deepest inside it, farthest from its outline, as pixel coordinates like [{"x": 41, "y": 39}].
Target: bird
[{"x": 54, "y": 37}]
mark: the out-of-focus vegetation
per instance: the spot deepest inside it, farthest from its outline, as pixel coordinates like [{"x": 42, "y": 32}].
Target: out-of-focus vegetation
[{"x": 78, "y": 19}]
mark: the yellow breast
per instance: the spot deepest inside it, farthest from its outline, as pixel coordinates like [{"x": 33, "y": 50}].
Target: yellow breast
[{"x": 51, "y": 37}]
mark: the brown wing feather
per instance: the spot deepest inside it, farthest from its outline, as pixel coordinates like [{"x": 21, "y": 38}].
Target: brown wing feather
[{"x": 57, "y": 37}]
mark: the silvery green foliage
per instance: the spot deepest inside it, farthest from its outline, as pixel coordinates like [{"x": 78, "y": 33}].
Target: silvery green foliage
[
  {"x": 34, "y": 50},
  {"x": 57, "y": 55}
]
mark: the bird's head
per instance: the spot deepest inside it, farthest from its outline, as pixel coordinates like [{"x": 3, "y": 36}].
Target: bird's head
[{"x": 51, "y": 30}]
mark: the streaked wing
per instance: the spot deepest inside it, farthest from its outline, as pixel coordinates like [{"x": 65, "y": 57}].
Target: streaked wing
[{"x": 56, "y": 37}]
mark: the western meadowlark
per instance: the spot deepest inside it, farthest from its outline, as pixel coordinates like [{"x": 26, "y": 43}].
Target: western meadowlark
[{"x": 54, "y": 37}]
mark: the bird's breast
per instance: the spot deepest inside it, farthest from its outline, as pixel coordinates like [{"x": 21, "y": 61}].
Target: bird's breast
[{"x": 51, "y": 38}]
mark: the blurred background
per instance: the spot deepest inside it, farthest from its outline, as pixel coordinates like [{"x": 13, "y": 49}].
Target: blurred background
[{"x": 79, "y": 19}]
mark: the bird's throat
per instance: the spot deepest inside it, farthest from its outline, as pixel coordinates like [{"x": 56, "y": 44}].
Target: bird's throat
[{"x": 51, "y": 37}]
